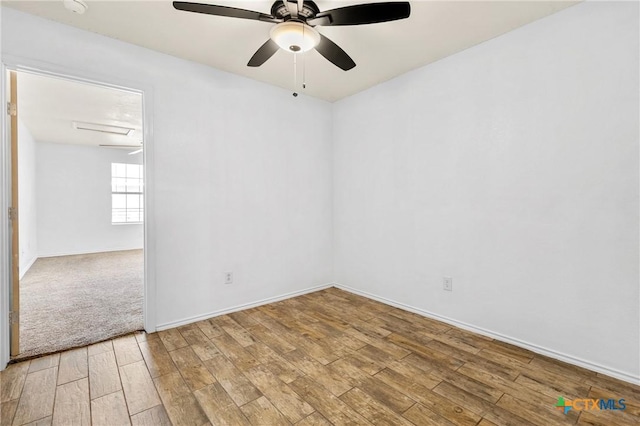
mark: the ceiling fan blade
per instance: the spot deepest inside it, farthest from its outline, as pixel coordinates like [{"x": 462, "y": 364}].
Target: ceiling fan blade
[
  {"x": 359, "y": 14},
  {"x": 261, "y": 56},
  {"x": 232, "y": 12},
  {"x": 119, "y": 146},
  {"x": 334, "y": 54}
]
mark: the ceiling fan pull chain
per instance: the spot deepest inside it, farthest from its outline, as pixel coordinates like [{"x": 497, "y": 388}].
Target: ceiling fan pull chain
[
  {"x": 295, "y": 74},
  {"x": 304, "y": 68}
]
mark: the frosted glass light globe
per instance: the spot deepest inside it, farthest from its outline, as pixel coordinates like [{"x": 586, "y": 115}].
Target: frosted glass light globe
[{"x": 295, "y": 37}]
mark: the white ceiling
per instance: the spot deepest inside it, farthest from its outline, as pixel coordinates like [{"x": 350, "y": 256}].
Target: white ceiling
[
  {"x": 48, "y": 107},
  {"x": 434, "y": 30}
]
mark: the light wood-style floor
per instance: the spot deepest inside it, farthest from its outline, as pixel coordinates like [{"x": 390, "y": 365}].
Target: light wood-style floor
[{"x": 328, "y": 357}]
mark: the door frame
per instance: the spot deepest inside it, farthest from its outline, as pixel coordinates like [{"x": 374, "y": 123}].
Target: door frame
[
  {"x": 14, "y": 326},
  {"x": 20, "y": 64}
]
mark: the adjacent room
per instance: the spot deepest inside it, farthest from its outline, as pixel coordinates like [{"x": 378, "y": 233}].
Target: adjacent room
[
  {"x": 391, "y": 213},
  {"x": 80, "y": 203}
]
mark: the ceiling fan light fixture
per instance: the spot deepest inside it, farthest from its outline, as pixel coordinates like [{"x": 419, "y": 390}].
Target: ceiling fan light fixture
[
  {"x": 295, "y": 37},
  {"x": 76, "y": 6}
]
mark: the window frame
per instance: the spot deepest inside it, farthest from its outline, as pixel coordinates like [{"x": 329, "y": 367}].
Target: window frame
[{"x": 139, "y": 177}]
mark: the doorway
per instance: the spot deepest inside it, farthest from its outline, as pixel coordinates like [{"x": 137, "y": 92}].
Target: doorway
[{"x": 77, "y": 191}]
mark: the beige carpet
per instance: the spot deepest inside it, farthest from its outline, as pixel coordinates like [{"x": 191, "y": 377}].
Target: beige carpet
[{"x": 71, "y": 301}]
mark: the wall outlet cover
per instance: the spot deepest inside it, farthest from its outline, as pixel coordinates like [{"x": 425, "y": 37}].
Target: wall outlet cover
[{"x": 447, "y": 283}]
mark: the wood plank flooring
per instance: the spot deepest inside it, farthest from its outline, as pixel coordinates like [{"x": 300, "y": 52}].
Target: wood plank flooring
[{"x": 325, "y": 358}]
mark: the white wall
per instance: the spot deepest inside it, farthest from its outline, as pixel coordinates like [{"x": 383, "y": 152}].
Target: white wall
[
  {"x": 513, "y": 168},
  {"x": 27, "y": 212},
  {"x": 74, "y": 201},
  {"x": 237, "y": 187}
]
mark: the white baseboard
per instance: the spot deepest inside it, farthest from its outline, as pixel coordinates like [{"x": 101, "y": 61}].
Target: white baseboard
[
  {"x": 627, "y": 377},
  {"x": 237, "y": 308},
  {"x": 75, "y": 253},
  {"x": 28, "y": 266}
]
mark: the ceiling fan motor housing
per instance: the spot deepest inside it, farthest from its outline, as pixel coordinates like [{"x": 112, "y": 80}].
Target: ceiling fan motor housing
[{"x": 309, "y": 10}]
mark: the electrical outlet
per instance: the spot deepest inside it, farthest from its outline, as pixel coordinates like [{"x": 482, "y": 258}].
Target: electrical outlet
[
  {"x": 228, "y": 278},
  {"x": 447, "y": 283}
]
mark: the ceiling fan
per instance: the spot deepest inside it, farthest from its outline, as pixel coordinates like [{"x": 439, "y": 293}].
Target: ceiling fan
[
  {"x": 136, "y": 148},
  {"x": 295, "y": 21}
]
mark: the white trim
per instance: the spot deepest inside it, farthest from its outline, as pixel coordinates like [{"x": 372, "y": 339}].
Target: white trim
[
  {"x": 59, "y": 71},
  {"x": 5, "y": 249},
  {"x": 29, "y": 265},
  {"x": 75, "y": 253},
  {"x": 242, "y": 307},
  {"x": 497, "y": 336},
  {"x": 149, "y": 307}
]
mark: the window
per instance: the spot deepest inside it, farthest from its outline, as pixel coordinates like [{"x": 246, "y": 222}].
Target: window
[{"x": 127, "y": 204}]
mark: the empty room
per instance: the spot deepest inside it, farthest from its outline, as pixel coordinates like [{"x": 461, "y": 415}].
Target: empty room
[{"x": 397, "y": 213}]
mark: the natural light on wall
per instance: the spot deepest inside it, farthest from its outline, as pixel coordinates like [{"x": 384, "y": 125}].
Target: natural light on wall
[{"x": 127, "y": 193}]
